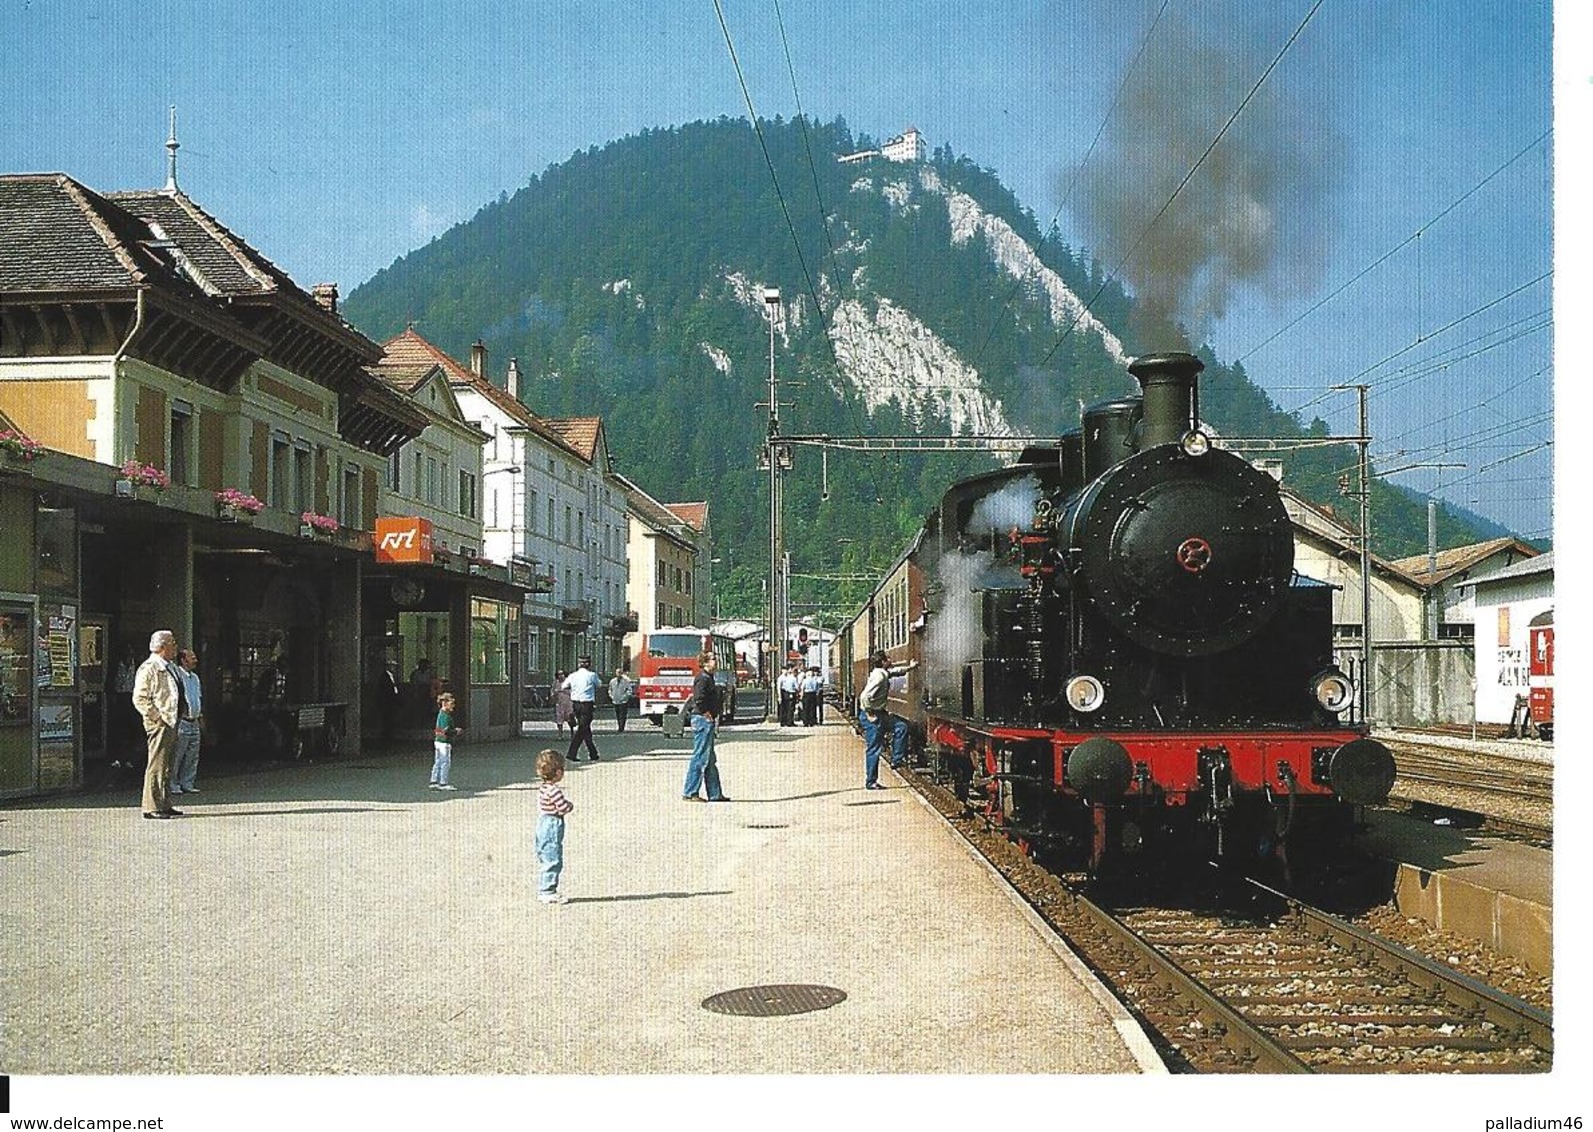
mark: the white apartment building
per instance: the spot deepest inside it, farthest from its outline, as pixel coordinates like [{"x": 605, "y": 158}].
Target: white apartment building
[{"x": 550, "y": 500}]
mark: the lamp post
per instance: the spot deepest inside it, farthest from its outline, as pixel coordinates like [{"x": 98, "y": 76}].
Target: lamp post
[{"x": 772, "y": 454}]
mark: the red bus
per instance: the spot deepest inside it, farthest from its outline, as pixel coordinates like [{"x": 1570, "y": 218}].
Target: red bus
[{"x": 667, "y": 666}]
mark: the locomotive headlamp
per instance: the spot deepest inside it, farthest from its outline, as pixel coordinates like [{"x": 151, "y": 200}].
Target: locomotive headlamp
[
  {"x": 1195, "y": 443},
  {"x": 1085, "y": 693},
  {"x": 1332, "y": 690}
]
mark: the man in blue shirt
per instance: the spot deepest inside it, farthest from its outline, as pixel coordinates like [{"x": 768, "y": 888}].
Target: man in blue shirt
[{"x": 582, "y": 684}]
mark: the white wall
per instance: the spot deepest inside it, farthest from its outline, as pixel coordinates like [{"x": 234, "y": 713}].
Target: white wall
[{"x": 1502, "y": 649}]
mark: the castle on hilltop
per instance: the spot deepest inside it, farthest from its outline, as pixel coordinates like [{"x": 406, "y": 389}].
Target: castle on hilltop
[{"x": 907, "y": 146}]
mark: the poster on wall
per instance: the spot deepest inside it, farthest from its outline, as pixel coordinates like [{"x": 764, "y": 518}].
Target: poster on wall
[
  {"x": 56, "y": 722},
  {"x": 59, "y": 624}
]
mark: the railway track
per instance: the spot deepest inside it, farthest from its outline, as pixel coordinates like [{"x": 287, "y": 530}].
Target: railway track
[
  {"x": 1262, "y": 983},
  {"x": 1507, "y": 793}
]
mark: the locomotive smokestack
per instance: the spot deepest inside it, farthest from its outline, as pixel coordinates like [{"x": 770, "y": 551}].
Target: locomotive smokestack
[{"x": 1172, "y": 404}]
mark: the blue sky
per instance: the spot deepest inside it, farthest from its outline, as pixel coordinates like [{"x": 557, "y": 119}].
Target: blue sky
[{"x": 336, "y": 137}]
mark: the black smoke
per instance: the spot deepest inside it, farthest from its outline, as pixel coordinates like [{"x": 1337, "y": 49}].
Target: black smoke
[{"x": 1253, "y": 218}]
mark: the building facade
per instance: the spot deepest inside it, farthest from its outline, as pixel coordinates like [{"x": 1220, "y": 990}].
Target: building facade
[
  {"x": 549, "y": 502},
  {"x": 668, "y": 583},
  {"x": 215, "y": 447},
  {"x": 1505, "y": 603}
]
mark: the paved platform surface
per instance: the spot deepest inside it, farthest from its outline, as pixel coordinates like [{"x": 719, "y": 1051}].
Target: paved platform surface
[
  {"x": 1491, "y": 889},
  {"x": 341, "y": 918}
]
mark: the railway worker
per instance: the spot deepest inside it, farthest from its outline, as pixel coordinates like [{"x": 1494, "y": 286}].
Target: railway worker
[
  {"x": 812, "y": 684},
  {"x": 877, "y": 721},
  {"x": 582, "y": 686},
  {"x": 789, "y": 687},
  {"x": 703, "y": 709}
]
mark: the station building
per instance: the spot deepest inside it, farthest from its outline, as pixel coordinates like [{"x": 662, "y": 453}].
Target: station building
[{"x": 166, "y": 367}]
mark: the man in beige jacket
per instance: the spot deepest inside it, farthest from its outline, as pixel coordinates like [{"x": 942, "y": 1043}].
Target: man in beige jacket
[{"x": 158, "y": 696}]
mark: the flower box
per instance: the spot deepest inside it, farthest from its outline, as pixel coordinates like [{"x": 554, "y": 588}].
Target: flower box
[
  {"x": 312, "y": 525},
  {"x": 137, "y": 489},
  {"x": 17, "y": 448}
]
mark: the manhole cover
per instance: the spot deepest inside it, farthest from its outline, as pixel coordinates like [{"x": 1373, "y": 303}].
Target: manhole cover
[
  {"x": 768, "y": 825},
  {"x": 770, "y": 1001}
]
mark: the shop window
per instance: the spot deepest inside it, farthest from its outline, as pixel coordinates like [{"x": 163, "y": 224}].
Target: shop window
[
  {"x": 493, "y": 625},
  {"x": 16, "y": 665},
  {"x": 56, "y": 533}
]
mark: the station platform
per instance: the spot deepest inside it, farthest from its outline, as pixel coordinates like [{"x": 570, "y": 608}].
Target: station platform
[
  {"x": 1491, "y": 889},
  {"x": 341, "y": 918}
]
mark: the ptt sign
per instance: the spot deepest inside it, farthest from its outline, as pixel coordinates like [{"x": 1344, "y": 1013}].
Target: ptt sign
[{"x": 403, "y": 538}]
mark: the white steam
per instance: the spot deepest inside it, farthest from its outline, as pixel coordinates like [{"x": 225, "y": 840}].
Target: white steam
[
  {"x": 1012, "y": 506},
  {"x": 954, "y": 634}
]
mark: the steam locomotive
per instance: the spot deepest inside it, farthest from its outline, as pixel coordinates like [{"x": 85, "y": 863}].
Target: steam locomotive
[{"x": 1115, "y": 654}]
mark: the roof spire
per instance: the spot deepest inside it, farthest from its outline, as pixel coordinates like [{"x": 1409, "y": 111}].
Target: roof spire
[{"x": 171, "y": 155}]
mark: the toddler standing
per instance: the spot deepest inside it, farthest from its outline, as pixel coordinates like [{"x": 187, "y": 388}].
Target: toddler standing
[
  {"x": 443, "y": 743},
  {"x": 552, "y": 805}
]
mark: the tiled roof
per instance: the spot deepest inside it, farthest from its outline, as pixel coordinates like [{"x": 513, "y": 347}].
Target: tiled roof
[
  {"x": 1541, "y": 564},
  {"x": 410, "y": 348},
  {"x": 402, "y": 377},
  {"x": 580, "y": 433},
  {"x": 656, "y": 515},
  {"x": 59, "y": 236},
  {"x": 1458, "y": 558},
  {"x": 694, "y": 515}
]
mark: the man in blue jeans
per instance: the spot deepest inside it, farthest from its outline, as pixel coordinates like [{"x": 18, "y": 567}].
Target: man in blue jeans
[
  {"x": 703, "y": 710},
  {"x": 877, "y": 722}
]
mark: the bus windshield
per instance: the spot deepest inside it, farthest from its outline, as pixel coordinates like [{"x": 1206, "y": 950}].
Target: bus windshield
[{"x": 674, "y": 645}]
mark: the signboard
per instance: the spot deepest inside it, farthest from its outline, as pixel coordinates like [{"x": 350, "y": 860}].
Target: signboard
[{"x": 403, "y": 538}]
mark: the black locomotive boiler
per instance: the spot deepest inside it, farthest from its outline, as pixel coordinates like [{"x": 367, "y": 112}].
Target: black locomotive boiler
[{"x": 1114, "y": 645}]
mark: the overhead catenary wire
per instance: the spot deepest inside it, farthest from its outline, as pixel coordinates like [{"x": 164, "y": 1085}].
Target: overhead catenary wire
[
  {"x": 785, "y": 211},
  {"x": 807, "y": 145},
  {"x": 1140, "y": 239},
  {"x": 1473, "y": 313},
  {"x": 1386, "y": 256},
  {"x": 1067, "y": 194}
]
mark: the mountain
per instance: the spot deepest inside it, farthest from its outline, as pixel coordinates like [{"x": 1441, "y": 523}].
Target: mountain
[{"x": 917, "y": 297}]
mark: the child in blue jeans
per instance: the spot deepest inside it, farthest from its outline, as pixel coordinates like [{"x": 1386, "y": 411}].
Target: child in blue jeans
[
  {"x": 443, "y": 743},
  {"x": 552, "y": 805}
]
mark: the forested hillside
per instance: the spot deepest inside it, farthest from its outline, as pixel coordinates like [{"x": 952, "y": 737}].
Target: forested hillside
[{"x": 628, "y": 282}]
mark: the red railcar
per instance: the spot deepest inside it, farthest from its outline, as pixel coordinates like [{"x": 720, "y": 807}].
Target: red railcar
[{"x": 1540, "y": 670}]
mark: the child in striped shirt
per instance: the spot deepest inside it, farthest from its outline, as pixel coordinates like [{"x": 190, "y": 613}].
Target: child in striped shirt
[{"x": 552, "y": 805}]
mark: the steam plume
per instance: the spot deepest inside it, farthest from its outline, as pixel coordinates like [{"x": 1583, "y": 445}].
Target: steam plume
[{"x": 1254, "y": 214}]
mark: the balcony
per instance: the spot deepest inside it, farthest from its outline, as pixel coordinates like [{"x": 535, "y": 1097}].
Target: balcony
[{"x": 621, "y": 623}]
